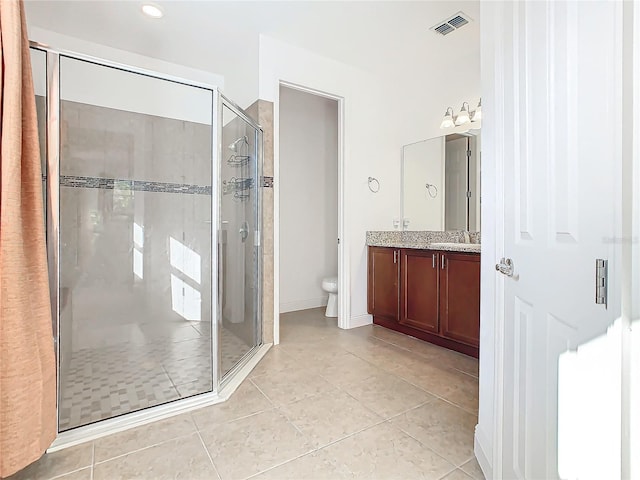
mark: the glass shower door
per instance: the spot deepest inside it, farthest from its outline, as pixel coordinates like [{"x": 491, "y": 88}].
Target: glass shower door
[
  {"x": 240, "y": 296},
  {"x": 135, "y": 276}
]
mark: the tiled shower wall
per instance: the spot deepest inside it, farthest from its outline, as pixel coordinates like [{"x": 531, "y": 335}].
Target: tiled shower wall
[
  {"x": 262, "y": 112},
  {"x": 156, "y": 203}
]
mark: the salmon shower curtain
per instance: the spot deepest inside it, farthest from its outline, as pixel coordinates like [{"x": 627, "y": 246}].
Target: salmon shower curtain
[{"x": 27, "y": 361}]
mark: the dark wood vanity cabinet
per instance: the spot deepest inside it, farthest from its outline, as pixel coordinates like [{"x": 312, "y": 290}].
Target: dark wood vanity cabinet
[
  {"x": 460, "y": 297},
  {"x": 419, "y": 289},
  {"x": 431, "y": 295},
  {"x": 384, "y": 273}
]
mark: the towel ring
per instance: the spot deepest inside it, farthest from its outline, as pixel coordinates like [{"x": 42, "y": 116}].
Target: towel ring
[
  {"x": 432, "y": 190},
  {"x": 376, "y": 188}
]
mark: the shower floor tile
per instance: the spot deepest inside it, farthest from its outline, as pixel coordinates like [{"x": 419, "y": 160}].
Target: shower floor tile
[
  {"x": 232, "y": 349},
  {"x": 104, "y": 382}
]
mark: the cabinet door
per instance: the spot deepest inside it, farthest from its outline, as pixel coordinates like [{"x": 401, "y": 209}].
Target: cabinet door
[
  {"x": 419, "y": 289},
  {"x": 460, "y": 297},
  {"x": 383, "y": 276}
]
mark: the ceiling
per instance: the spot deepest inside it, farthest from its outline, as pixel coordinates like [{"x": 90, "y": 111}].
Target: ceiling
[{"x": 376, "y": 36}]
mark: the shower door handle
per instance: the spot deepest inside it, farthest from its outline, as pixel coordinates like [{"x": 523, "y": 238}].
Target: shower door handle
[{"x": 244, "y": 231}]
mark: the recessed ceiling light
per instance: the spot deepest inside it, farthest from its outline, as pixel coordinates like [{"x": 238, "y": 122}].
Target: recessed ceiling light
[{"x": 152, "y": 11}]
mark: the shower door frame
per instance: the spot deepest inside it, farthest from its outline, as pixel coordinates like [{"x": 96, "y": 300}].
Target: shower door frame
[
  {"x": 223, "y": 101},
  {"x": 147, "y": 415}
]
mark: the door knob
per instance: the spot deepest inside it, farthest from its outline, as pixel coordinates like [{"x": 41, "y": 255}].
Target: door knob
[{"x": 505, "y": 267}]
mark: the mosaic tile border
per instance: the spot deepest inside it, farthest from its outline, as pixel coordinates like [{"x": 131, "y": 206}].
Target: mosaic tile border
[{"x": 132, "y": 185}]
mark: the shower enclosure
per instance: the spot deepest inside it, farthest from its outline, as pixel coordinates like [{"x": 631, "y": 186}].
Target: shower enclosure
[{"x": 153, "y": 235}]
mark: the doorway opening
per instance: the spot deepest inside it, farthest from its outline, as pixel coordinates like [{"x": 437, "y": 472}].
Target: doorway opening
[{"x": 309, "y": 194}]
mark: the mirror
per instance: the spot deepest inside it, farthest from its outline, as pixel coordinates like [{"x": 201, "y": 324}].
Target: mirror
[{"x": 441, "y": 183}]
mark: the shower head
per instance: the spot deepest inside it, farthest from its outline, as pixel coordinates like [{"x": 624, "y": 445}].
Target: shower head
[{"x": 238, "y": 143}]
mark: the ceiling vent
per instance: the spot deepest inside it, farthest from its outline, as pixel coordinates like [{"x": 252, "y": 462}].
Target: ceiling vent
[{"x": 458, "y": 20}]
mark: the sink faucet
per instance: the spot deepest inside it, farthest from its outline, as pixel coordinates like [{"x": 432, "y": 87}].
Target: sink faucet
[{"x": 466, "y": 237}]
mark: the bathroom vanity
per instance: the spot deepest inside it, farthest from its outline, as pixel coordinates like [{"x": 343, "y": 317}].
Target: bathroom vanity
[{"x": 427, "y": 285}]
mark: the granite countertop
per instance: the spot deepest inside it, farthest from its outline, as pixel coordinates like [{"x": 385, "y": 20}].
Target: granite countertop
[{"x": 451, "y": 241}]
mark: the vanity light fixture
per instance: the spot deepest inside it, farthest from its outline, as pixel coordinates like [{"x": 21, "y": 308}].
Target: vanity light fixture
[
  {"x": 464, "y": 117},
  {"x": 477, "y": 114},
  {"x": 447, "y": 121},
  {"x": 152, "y": 11}
]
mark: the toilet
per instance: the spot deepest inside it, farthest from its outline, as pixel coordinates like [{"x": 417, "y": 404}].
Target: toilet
[{"x": 330, "y": 285}]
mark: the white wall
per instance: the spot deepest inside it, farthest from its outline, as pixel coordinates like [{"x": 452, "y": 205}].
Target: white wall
[
  {"x": 423, "y": 163},
  {"x": 76, "y": 45},
  {"x": 381, "y": 113},
  {"x": 92, "y": 84},
  {"x": 366, "y": 150},
  {"x": 308, "y": 197}
]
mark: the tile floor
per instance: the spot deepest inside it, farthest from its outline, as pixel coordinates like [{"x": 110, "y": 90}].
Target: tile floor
[{"x": 325, "y": 404}]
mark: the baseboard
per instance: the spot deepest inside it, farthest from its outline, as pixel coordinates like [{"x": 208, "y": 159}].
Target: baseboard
[
  {"x": 360, "y": 321},
  {"x": 479, "y": 449},
  {"x": 296, "y": 305}
]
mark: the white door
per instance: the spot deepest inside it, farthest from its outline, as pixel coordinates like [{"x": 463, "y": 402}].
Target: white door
[{"x": 553, "y": 127}]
